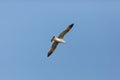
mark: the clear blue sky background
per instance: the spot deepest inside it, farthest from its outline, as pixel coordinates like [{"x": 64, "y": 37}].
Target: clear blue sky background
[{"x": 92, "y": 51}]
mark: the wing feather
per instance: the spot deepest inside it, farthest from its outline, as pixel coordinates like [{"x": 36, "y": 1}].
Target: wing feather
[
  {"x": 54, "y": 45},
  {"x": 65, "y": 31}
]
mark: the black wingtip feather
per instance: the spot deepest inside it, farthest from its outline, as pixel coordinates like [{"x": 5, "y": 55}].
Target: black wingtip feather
[
  {"x": 71, "y": 25},
  {"x": 48, "y": 55}
]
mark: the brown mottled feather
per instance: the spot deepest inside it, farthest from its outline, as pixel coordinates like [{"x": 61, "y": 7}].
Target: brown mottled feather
[
  {"x": 65, "y": 31},
  {"x": 54, "y": 45}
]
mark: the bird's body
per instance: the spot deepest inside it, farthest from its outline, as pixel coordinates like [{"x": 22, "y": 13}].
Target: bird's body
[{"x": 58, "y": 39}]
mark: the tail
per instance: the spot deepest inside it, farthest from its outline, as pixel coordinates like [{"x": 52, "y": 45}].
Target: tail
[{"x": 52, "y": 38}]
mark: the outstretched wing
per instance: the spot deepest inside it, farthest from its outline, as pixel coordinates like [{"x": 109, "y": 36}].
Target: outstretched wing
[
  {"x": 54, "y": 45},
  {"x": 65, "y": 31}
]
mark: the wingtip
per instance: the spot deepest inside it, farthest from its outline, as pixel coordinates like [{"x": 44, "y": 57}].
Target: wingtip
[
  {"x": 71, "y": 25},
  {"x": 48, "y": 55}
]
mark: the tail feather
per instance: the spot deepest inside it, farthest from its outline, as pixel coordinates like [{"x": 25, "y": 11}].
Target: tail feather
[{"x": 52, "y": 38}]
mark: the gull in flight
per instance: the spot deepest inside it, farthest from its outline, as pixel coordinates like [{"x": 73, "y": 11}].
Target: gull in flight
[{"x": 58, "y": 39}]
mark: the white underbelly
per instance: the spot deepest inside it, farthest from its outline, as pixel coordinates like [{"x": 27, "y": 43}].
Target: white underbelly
[{"x": 59, "y": 40}]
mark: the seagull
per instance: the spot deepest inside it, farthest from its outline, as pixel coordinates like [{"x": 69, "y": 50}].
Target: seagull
[{"x": 59, "y": 39}]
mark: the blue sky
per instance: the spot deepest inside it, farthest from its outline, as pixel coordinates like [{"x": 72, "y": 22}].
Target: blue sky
[{"x": 92, "y": 51}]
